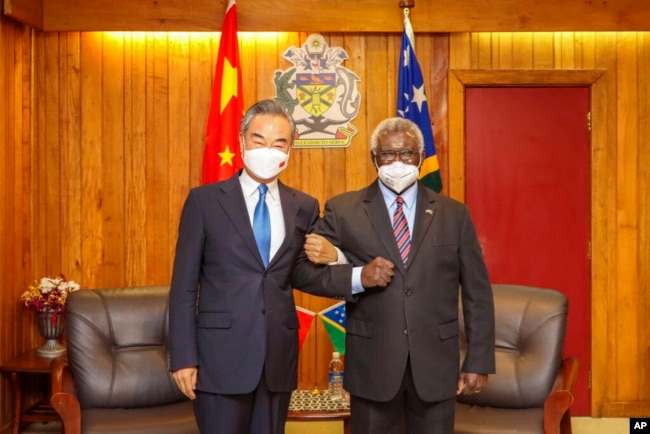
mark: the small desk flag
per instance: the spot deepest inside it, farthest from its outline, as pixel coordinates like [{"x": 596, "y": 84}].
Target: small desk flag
[
  {"x": 305, "y": 318},
  {"x": 334, "y": 319}
]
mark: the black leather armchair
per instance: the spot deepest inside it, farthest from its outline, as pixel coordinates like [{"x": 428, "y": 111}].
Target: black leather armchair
[
  {"x": 531, "y": 392},
  {"x": 116, "y": 378}
]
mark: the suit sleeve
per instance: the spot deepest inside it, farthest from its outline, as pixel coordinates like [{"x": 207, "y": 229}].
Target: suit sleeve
[
  {"x": 184, "y": 286},
  {"x": 325, "y": 280},
  {"x": 477, "y": 301}
]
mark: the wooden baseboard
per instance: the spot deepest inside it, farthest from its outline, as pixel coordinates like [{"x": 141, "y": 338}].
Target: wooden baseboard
[{"x": 626, "y": 409}]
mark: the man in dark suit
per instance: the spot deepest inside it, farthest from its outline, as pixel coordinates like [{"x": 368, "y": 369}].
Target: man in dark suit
[
  {"x": 402, "y": 349},
  {"x": 233, "y": 323}
]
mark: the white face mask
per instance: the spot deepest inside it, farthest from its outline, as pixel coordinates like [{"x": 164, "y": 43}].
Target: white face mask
[
  {"x": 398, "y": 176},
  {"x": 265, "y": 163}
]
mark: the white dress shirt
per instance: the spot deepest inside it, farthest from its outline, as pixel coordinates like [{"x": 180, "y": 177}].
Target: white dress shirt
[{"x": 252, "y": 195}]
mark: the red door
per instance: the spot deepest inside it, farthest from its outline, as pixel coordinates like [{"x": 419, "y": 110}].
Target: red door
[{"x": 527, "y": 187}]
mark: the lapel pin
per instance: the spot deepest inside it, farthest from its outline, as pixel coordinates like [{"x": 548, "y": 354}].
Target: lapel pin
[{"x": 428, "y": 212}]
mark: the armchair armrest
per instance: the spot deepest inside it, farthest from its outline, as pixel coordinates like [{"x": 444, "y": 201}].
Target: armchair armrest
[
  {"x": 64, "y": 397},
  {"x": 557, "y": 414}
]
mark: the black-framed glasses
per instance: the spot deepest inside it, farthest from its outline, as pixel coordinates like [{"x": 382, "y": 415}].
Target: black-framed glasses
[{"x": 404, "y": 154}]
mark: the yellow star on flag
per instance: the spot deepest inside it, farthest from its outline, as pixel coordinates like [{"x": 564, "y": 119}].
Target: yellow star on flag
[
  {"x": 226, "y": 156},
  {"x": 228, "y": 84}
]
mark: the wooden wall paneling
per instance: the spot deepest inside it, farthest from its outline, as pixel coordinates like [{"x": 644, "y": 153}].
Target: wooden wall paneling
[
  {"x": 70, "y": 144},
  {"x": 9, "y": 152},
  {"x": 484, "y": 51},
  {"x": 248, "y": 58},
  {"x": 92, "y": 259},
  {"x": 564, "y": 55},
  {"x": 49, "y": 213},
  {"x": 460, "y": 55},
  {"x": 266, "y": 64},
  {"x": 38, "y": 168},
  {"x": 113, "y": 150},
  {"x": 626, "y": 242},
  {"x": 157, "y": 163},
  {"x": 587, "y": 49},
  {"x": 644, "y": 211},
  {"x": 332, "y": 160},
  {"x": 522, "y": 50},
  {"x": 16, "y": 321},
  {"x": 179, "y": 132},
  {"x": 437, "y": 99},
  {"x": 603, "y": 253},
  {"x": 201, "y": 78},
  {"x": 135, "y": 159},
  {"x": 543, "y": 50},
  {"x": 381, "y": 53},
  {"x": 27, "y": 336},
  {"x": 460, "y": 50}
]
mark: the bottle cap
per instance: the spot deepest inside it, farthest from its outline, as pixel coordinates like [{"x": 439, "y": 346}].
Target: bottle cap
[{"x": 335, "y": 355}]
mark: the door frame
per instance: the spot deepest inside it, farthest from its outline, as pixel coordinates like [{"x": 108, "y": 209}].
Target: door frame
[{"x": 602, "y": 175}]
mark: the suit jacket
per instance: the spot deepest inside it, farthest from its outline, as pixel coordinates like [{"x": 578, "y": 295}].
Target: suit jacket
[
  {"x": 229, "y": 315},
  {"x": 416, "y": 315}
]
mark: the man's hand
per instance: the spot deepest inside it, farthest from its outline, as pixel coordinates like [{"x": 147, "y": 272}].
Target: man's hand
[
  {"x": 319, "y": 250},
  {"x": 377, "y": 272},
  {"x": 469, "y": 384},
  {"x": 186, "y": 380}
]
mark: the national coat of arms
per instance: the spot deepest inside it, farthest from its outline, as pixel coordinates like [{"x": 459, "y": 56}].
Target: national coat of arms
[{"x": 319, "y": 93}]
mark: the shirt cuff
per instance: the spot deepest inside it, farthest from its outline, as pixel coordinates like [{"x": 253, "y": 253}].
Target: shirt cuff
[
  {"x": 357, "y": 287},
  {"x": 340, "y": 259}
]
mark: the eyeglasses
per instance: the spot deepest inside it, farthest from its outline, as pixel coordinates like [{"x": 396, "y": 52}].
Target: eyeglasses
[{"x": 405, "y": 154}]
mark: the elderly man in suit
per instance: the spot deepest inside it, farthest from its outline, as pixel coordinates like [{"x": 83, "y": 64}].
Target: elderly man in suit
[
  {"x": 419, "y": 250},
  {"x": 233, "y": 323}
]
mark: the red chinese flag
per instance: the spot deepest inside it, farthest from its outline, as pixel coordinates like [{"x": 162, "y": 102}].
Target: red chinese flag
[
  {"x": 305, "y": 318},
  {"x": 222, "y": 155}
]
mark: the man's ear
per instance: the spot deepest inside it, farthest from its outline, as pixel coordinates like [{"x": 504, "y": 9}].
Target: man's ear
[{"x": 242, "y": 142}]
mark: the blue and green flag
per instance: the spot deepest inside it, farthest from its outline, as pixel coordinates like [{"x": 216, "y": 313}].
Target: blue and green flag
[
  {"x": 412, "y": 105},
  {"x": 333, "y": 319}
]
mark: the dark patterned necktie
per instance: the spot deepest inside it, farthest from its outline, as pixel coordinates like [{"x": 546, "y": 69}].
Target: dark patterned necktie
[
  {"x": 262, "y": 225},
  {"x": 401, "y": 231}
]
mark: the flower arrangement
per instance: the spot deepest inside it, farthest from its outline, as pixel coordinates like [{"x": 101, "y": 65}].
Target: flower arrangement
[{"x": 49, "y": 294}]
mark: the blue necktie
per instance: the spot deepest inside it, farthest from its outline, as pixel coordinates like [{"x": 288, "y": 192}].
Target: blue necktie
[
  {"x": 262, "y": 225},
  {"x": 401, "y": 229}
]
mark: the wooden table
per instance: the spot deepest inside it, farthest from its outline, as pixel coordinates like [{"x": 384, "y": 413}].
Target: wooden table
[
  {"x": 306, "y": 406},
  {"x": 28, "y": 363}
]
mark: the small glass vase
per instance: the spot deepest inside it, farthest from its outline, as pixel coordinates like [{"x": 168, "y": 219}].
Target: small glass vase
[{"x": 51, "y": 325}]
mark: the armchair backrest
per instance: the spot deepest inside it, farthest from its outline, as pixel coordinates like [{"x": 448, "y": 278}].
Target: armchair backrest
[
  {"x": 117, "y": 347},
  {"x": 530, "y": 326}
]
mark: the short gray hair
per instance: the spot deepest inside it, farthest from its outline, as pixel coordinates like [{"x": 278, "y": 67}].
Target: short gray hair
[
  {"x": 396, "y": 125},
  {"x": 266, "y": 107}
]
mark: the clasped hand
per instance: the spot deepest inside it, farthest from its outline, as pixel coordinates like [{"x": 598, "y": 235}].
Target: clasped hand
[
  {"x": 377, "y": 272},
  {"x": 319, "y": 250}
]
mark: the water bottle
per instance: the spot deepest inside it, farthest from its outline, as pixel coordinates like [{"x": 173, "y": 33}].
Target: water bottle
[{"x": 336, "y": 378}]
